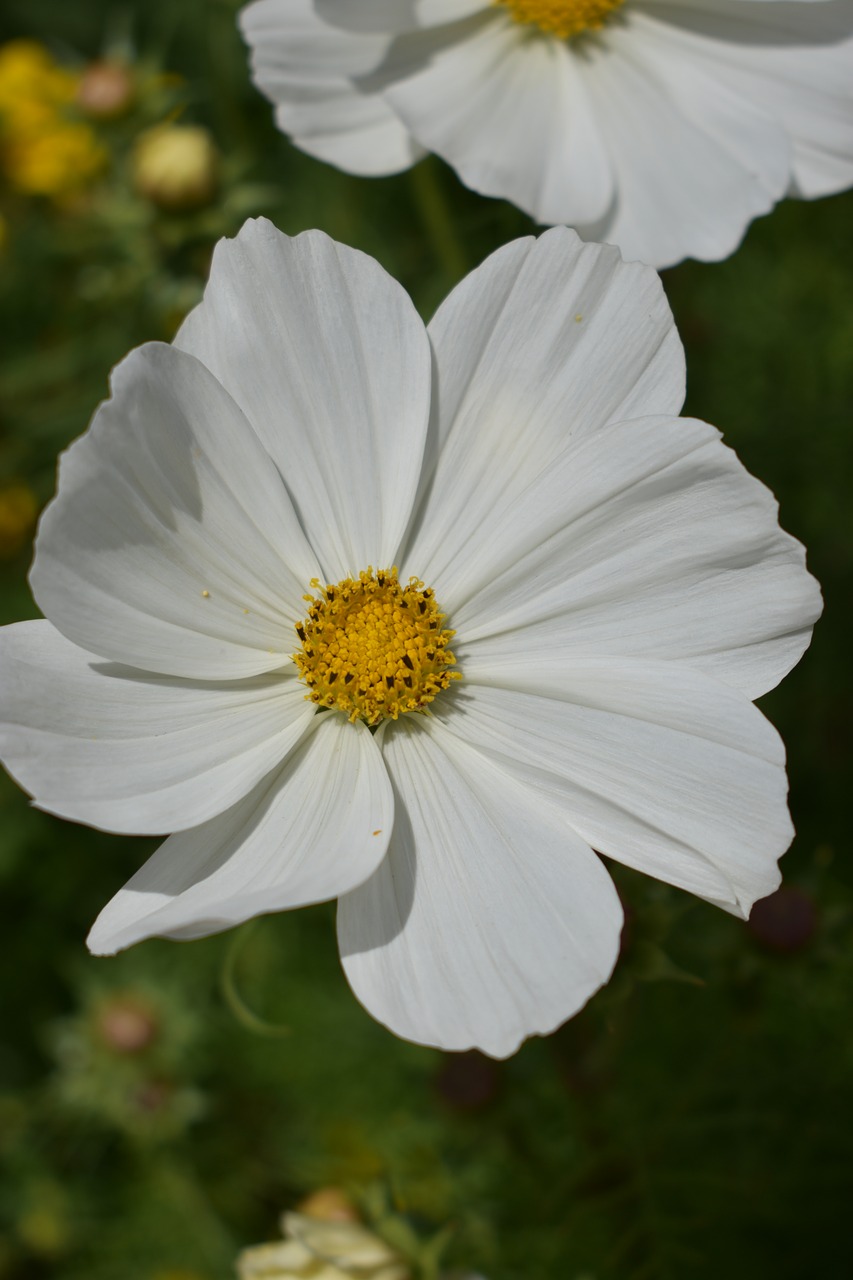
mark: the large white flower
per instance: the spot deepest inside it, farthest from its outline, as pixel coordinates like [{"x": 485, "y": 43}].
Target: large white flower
[
  {"x": 663, "y": 126},
  {"x": 618, "y": 586}
]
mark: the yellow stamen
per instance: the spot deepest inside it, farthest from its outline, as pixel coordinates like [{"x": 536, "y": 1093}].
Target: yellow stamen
[
  {"x": 562, "y": 18},
  {"x": 372, "y": 648}
]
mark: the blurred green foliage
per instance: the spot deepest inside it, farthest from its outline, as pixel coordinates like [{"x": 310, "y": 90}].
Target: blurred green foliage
[{"x": 158, "y": 1110}]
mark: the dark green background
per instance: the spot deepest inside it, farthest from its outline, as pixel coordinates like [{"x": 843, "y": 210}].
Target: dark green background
[{"x": 695, "y": 1120}]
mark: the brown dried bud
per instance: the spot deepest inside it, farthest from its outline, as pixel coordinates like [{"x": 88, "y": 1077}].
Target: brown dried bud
[
  {"x": 127, "y": 1025},
  {"x": 784, "y": 921},
  {"x": 105, "y": 90}
]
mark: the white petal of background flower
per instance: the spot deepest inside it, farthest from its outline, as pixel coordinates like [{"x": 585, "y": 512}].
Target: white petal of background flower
[
  {"x": 303, "y": 67},
  {"x": 691, "y": 71},
  {"x": 648, "y": 539},
  {"x": 394, "y": 15},
  {"x": 699, "y": 114},
  {"x": 721, "y": 165},
  {"x": 653, "y": 764},
  {"x": 794, "y": 61},
  {"x": 329, "y": 360},
  {"x": 173, "y": 546},
  {"x": 519, "y": 127},
  {"x": 313, "y": 829},
  {"x": 130, "y": 751},
  {"x": 547, "y": 341},
  {"x": 489, "y": 919}
]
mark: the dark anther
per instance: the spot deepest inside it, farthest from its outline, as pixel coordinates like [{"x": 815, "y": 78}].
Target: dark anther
[
  {"x": 389, "y": 680},
  {"x": 348, "y": 677},
  {"x": 333, "y": 675},
  {"x": 408, "y": 662},
  {"x": 300, "y": 631},
  {"x": 422, "y": 606},
  {"x": 407, "y": 681}
]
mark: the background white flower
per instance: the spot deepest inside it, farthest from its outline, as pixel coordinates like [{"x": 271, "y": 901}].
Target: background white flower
[
  {"x": 664, "y": 130},
  {"x": 318, "y": 1249},
  {"x": 618, "y": 584}
]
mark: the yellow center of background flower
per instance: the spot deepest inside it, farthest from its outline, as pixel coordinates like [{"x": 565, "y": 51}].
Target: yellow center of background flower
[
  {"x": 562, "y": 18},
  {"x": 373, "y": 648}
]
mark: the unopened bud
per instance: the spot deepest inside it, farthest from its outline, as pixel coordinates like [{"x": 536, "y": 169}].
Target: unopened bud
[
  {"x": 127, "y": 1025},
  {"x": 176, "y": 166},
  {"x": 105, "y": 90},
  {"x": 329, "y": 1204},
  {"x": 785, "y": 921}
]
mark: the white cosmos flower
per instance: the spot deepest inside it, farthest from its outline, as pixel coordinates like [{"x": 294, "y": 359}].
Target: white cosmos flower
[
  {"x": 618, "y": 585},
  {"x": 663, "y": 126}
]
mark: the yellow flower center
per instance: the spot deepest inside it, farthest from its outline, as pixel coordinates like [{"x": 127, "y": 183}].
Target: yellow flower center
[
  {"x": 373, "y": 648},
  {"x": 562, "y": 18}
]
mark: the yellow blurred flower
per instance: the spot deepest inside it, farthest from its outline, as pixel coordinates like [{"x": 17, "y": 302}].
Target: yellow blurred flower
[
  {"x": 43, "y": 149},
  {"x": 176, "y": 166},
  {"x": 30, "y": 79},
  {"x": 18, "y": 511},
  {"x": 57, "y": 158},
  {"x": 45, "y": 1223},
  {"x": 322, "y": 1249}
]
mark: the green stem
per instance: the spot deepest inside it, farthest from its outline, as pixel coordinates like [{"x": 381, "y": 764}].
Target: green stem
[
  {"x": 437, "y": 219},
  {"x": 233, "y": 999}
]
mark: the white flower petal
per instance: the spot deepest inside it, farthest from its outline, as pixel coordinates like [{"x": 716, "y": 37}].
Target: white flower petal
[
  {"x": 172, "y": 544},
  {"x": 315, "y": 828},
  {"x": 666, "y": 132},
  {"x": 304, "y": 67},
  {"x": 284, "y": 1259},
  {"x": 356, "y": 132},
  {"x": 489, "y": 920},
  {"x": 649, "y": 539},
  {"x": 792, "y": 61},
  {"x": 699, "y": 90},
  {"x": 329, "y": 360},
  {"x": 653, "y": 764},
  {"x": 347, "y": 1245},
  {"x": 129, "y": 751},
  {"x": 546, "y": 342},
  {"x": 512, "y": 116},
  {"x": 395, "y": 15},
  {"x": 694, "y": 195}
]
